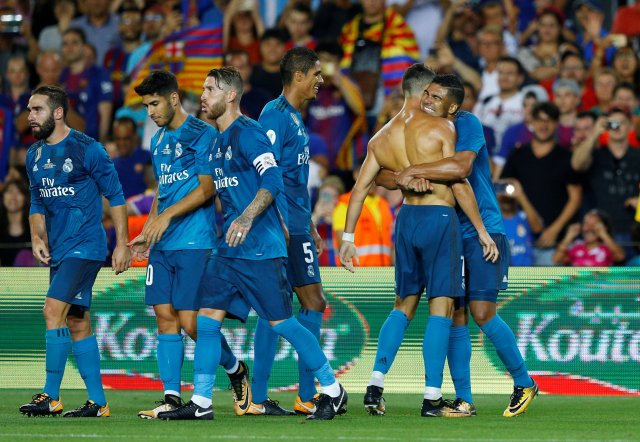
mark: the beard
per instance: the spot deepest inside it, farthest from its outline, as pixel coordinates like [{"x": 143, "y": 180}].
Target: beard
[
  {"x": 44, "y": 130},
  {"x": 214, "y": 111}
]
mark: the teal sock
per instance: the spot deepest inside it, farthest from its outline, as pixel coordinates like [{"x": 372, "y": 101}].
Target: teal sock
[
  {"x": 434, "y": 349},
  {"x": 227, "y": 358},
  {"x": 88, "y": 360},
  {"x": 170, "y": 356},
  {"x": 312, "y": 321},
  {"x": 504, "y": 341},
  {"x": 389, "y": 340},
  {"x": 207, "y": 356},
  {"x": 58, "y": 343},
  {"x": 265, "y": 346},
  {"x": 459, "y": 358},
  {"x": 308, "y": 349}
]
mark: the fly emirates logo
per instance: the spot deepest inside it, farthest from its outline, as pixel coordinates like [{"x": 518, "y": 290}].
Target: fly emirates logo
[
  {"x": 50, "y": 190},
  {"x": 168, "y": 177},
  {"x": 224, "y": 181}
]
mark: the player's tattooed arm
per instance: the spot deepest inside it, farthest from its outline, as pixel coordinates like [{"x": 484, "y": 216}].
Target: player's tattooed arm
[{"x": 240, "y": 227}]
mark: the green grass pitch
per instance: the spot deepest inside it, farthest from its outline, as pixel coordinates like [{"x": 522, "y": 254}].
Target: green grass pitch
[{"x": 550, "y": 418}]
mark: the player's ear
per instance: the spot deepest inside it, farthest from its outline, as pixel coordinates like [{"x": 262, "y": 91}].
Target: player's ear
[
  {"x": 231, "y": 95},
  {"x": 174, "y": 99},
  {"x": 58, "y": 113},
  {"x": 298, "y": 76},
  {"x": 453, "y": 108}
]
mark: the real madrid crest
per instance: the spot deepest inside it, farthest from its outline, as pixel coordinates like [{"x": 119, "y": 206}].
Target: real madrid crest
[
  {"x": 310, "y": 272},
  {"x": 67, "y": 166},
  {"x": 227, "y": 156},
  {"x": 38, "y": 154},
  {"x": 178, "y": 149}
]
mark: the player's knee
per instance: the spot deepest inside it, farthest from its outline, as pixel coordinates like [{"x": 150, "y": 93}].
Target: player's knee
[
  {"x": 168, "y": 324},
  {"x": 482, "y": 315},
  {"x": 460, "y": 317},
  {"x": 80, "y": 327}
]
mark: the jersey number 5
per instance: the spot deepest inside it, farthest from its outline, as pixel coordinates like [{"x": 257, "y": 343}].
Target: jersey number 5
[{"x": 308, "y": 251}]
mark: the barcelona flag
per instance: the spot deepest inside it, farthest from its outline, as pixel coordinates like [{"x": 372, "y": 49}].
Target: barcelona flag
[{"x": 189, "y": 54}]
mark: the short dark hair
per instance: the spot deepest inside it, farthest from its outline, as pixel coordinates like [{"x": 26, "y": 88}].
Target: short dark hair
[
  {"x": 547, "y": 108},
  {"x": 619, "y": 110},
  {"x": 604, "y": 218},
  {"x": 624, "y": 85},
  {"x": 158, "y": 82},
  {"x": 455, "y": 88},
  {"x": 79, "y": 32},
  {"x": 299, "y": 59},
  {"x": 513, "y": 60},
  {"x": 229, "y": 77},
  {"x": 331, "y": 47},
  {"x": 569, "y": 54},
  {"x": 303, "y": 8},
  {"x": 587, "y": 114},
  {"x": 275, "y": 33},
  {"x": 416, "y": 78},
  {"x": 57, "y": 97},
  {"x": 126, "y": 121}
]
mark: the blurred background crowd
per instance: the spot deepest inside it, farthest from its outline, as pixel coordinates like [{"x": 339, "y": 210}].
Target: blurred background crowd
[{"x": 554, "y": 82}]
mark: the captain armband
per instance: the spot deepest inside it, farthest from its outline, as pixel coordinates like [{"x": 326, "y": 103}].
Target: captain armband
[{"x": 264, "y": 162}]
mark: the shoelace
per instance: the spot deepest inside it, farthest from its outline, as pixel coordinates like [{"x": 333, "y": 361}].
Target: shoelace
[
  {"x": 37, "y": 398},
  {"x": 516, "y": 396}
]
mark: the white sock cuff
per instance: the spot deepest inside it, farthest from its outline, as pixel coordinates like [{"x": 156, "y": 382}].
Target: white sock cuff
[
  {"x": 432, "y": 393},
  {"x": 201, "y": 401},
  {"x": 172, "y": 393},
  {"x": 233, "y": 369},
  {"x": 377, "y": 379},
  {"x": 332, "y": 390}
]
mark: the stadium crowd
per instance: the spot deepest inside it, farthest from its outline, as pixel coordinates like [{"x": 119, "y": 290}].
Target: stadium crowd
[{"x": 554, "y": 82}]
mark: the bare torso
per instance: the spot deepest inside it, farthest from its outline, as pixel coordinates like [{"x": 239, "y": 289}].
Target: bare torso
[{"x": 414, "y": 138}]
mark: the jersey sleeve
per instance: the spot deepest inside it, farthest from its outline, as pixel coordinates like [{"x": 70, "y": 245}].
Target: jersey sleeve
[
  {"x": 271, "y": 122},
  {"x": 470, "y": 134},
  {"x": 36, "y": 202},
  {"x": 103, "y": 172},
  {"x": 258, "y": 151},
  {"x": 203, "y": 145}
]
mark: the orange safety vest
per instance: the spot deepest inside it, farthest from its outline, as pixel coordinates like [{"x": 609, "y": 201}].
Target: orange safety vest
[{"x": 372, "y": 234}]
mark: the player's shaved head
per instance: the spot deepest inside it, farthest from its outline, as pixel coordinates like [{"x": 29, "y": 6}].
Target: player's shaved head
[
  {"x": 297, "y": 60},
  {"x": 228, "y": 78},
  {"x": 416, "y": 79},
  {"x": 162, "y": 83}
]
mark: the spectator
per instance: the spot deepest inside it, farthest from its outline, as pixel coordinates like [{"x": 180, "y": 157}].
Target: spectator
[
  {"x": 7, "y": 143},
  {"x": 459, "y": 29},
  {"x": 444, "y": 61},
  {"x": 331, "y": 16},
  {"x": 49, "y": 67},
  {"x": 494, "y": 14},
  {"x": 155, "y": 26},
  {"x": 115, "y": 62},
  {"x": 585, "y": 124},
  {"x": 337, "y": 113},
  {"x": 88, "y": 86},
  {"x": 50, "y": 38},
  {"x": 597, "y": 246},
  {"x": 520, "y": 133},
  {"x": 626, "y": 65},
  {"x": 591, "y": 32},
  {"x": 17, "y": 92},
  {"x": 504, "y": 109},
  {"x": 100, "y": 26},
  {"x": 572, "y": 67},
  {"x": 253, "y": 98},
  {"x": 490, "y": 48},
  {"x": 612, "y": 171},
  {"x": 604, "y": 82},
  {"x": 14, "y": 221},
  {"x": 243, "y": 28},
  {"x": 378, "y": 46},
  {"x": 566, "y": 95},
  {"x": 544, "y": 170},
  {"x": 132, "y": 163},
  {"x": 298, "y": 21},
  {"x": 541, "y": 60},
  {"x": 521, "y": 221},
  {"x": 266, "y": 75},
  {"x": 373, "y": 231},
  {"x": 322, "y": 216},
  {"x": 624, "y": 97}
]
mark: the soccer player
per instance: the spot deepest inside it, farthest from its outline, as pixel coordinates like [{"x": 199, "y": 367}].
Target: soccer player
[
  {"x": 69, "y": 173},
  {"x": 428, "y": 238},
  {"x": 485, "y": 278},
  {"x": 248, "y": 268},
  {"x": 180, "y": 232},
  {"x": 281, "y": 119}
]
